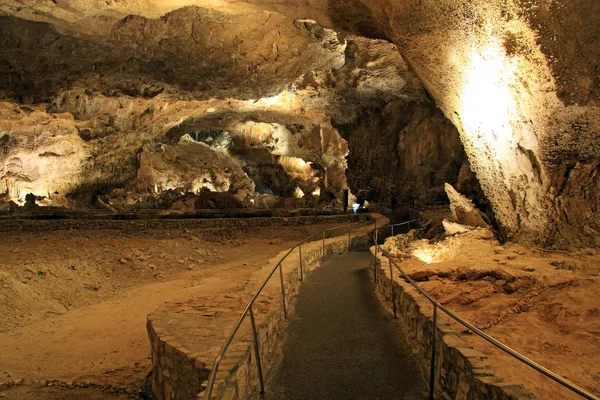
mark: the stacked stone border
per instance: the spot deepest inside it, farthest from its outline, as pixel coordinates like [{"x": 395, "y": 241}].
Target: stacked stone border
[
  {"x": 461, "y": 372},
  {"x": 137, "y": 225},
  {"x": 181, "y": 371}
]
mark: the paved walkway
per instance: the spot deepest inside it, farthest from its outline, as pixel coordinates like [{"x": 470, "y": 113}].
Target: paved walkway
[{"x": 340, "y": 341}]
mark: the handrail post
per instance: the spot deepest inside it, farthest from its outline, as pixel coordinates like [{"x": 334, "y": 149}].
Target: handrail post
[
  {"x": 282, "y": 291},
  {"x": 375, "y": 265},
  {"x": 393, "y": 290},
  {"x": 432, "y": 371},
  {"x": 301, "y": 272},
  {"x": 257, "y": 353},
  {"x": 376, "y": 248},
  {"x": 323, "y": 257},
  {"x": 349, "y": 230}
]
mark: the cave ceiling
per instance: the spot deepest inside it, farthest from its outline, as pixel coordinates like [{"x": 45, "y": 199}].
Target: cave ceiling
[{"x": 393, "y": 97}]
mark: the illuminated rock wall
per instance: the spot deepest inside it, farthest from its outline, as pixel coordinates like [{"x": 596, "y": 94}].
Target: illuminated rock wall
[
  {"x": 249, "y": 103},
  {"x": 520, "y": 81},
  {"x": 513, "y": 86},
  {"x": 481, "y": 63},
  {"x": 244, "y": 102}
]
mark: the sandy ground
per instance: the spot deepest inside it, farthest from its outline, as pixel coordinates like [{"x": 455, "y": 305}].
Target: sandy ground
[
  {"x": 74, "y": 303},
  {"x": 544, "y": 305}
]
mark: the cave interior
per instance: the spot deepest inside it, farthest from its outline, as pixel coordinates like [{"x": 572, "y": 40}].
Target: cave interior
[
  {"x": 492, "y": 107},
  {"x": 150, "y": 104}
]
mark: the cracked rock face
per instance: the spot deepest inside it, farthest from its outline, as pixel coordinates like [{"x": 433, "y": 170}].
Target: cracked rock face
[{"x": 273, "y": 93}]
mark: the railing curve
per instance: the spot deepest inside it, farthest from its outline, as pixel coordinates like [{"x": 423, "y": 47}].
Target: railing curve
[
  {"x": 436, "y": 305},
  {"x": 248, "y": 310}
]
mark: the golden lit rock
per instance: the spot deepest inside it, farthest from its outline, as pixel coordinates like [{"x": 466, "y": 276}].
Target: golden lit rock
[{"x": 507, "y": 75}]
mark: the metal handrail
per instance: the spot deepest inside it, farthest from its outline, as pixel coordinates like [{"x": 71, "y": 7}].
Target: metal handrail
[
  {"x": 93, "y": 212},
  {"x": 215, "y": 367},
  {"x": 562, "y": 381}
]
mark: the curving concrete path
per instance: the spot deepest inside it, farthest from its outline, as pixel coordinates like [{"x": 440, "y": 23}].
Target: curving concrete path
[{"x": 340, "y": 341}]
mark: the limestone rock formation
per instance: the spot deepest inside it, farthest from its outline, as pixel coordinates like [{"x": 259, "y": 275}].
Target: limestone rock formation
[
  {"x": 514, "y": 80},
  {"x": 453, "y": 228},
  {"x": 521, "y": 90},
  {"x": 463, "y": 210},
  {"x": 150, "y": 109}
]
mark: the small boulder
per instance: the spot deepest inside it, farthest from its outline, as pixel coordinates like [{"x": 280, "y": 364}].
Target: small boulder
[
  {"x": 463, "y": 210},
  {"x": 452, "y": 228},
  {"x": 424, "y": 275}
]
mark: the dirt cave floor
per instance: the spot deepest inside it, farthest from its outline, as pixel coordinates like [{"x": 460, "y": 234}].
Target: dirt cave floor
[
  {"x": 542, "y": 304},
  {"x": 74, "y": 303}
]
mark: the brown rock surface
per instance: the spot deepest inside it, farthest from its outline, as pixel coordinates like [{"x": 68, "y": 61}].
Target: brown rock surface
[
  {"x": 243, "y": 101},
  {"x": 74, "y": 303},
  {"x": 541, "y": 304},
  {"x": 137, "y": 103},
  {"x": 452, "y": 228},
  {"x": 511, "y": 76},
  {"x": 463, "y": 210}
]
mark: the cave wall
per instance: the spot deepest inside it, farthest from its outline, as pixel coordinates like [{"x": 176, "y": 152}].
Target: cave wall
[
  {"x": 248, "y": 103},
  {"x": 403, "y": 151},
  {"x": 573, "y": 162},
  {"x": 519, "y": 76},
  {"x": 400, "y": 144},
  {"x": 114, "y": 107},
  {"x": 431, "y": 154},
  {"x": 521, "y": 89},
  {"x": 519, "y": 79},
  {"x": 515, "y": 77},
  {"x": 39, "y": 152},
  {"x": 194, "y": 50}
]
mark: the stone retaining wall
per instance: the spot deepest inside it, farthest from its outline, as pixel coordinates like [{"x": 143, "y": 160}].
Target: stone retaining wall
[
  {"x": 137, "y": 225},
  {"x": 242, "y": 380},
  {"x": 181, "y": 373},
  {"x": 461, "y": 372},
  {"x": 176, "y": 372}
]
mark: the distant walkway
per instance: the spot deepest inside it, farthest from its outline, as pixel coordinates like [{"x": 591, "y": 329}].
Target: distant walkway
[{"x": 340, "y": 341}]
